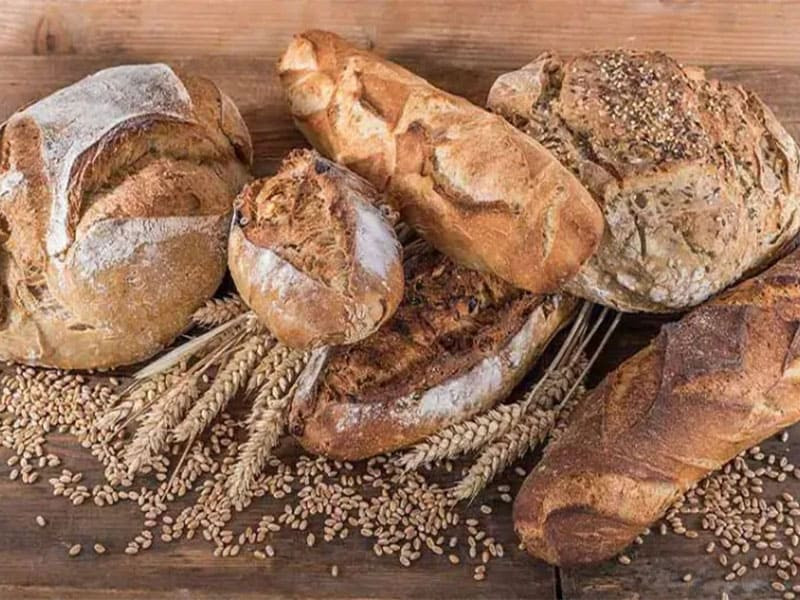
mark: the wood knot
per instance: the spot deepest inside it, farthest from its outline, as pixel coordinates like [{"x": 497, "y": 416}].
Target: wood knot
[{"x": 51, "y": 36}]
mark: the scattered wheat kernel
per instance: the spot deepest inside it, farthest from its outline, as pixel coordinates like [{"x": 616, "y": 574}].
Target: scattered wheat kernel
[
  {"x": 624, "y": 559},
  {"x": 453, "y": 559},
  {"x": 40, "y": 521},
  {"x": 99, "y": 548},
  {"x": 75, "y": 549},
  {"x": 486, "y": 509},
  {"x": 335, "y": 571}
]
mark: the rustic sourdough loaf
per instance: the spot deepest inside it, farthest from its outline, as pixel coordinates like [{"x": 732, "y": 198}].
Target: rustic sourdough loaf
[
  {"x": 697, "y": 180},
  {"x": 459, "y": 343},
  {"x": 115, "y": 201},
  {"x": 711, "y": 385},
  {"x": 476, "y": 188},
  {"x": 313, "y": 253}
]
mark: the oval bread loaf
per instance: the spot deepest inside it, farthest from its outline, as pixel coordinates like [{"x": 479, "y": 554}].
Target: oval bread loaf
[
  {"x": 697, "y": 180},
  {"x": 459, "y": 343},
  {"x": 115, "y": 201},
  {"x": 710, "y": 386},
  {"x": 314, "y": 254},
  {"x": 477, "y": 189}
]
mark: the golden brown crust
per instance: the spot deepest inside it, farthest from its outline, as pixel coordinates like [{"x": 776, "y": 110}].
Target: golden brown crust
[
  {"x": 116, "y": 195},
  {"x": 313, "y": 253},
  {"x": 711, "y": 385},
  {"x": 477, "y": 189},
  {"x": 459, "y": 342},
  {"x": 697, "y": 180}
]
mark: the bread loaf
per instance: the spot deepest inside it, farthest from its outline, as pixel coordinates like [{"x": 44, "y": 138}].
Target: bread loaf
[
  {"x": 697, "y": 180},
  {"x": 459, "y": 343},
  {"x": 115, "y": 201},
  {"x": 480, "y": 191},
  {"x": 314, "y": 256},
  {"x": 711, "y": 385}
]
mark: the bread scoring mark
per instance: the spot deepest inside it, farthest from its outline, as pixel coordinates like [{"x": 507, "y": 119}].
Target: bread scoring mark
[
  {"x": 76, "y": 118},
  {"x": 10, "y": 182},
  {"x": 460, "y": 396},
  {"x": 111, "y": 242},
  {"x": 376, "y": 247}
]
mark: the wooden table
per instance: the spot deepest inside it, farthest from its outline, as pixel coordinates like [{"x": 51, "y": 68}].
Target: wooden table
[{"x": 461, "y": 46}]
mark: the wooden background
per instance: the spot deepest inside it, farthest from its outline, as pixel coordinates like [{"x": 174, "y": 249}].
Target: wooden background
[{"x": 461, "y": 46}]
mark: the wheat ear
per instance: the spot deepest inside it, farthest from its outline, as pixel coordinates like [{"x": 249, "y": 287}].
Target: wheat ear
[
  {"x": 217, "y": 311},
  {"x": 152, "y": 435},
  {"x": 477, "y": 432},
  {"x": 531, "y": 431},
  {"x": 227, "y": 383},
  {"x": 265, "y": 425}
]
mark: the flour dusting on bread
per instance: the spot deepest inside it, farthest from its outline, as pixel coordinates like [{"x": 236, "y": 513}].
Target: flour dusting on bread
[{"x": 76, "y": 118}]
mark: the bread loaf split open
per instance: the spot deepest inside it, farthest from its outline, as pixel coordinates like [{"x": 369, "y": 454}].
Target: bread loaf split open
[
  {"x": 460, "y": 341},
  {"x": 313, "y": 252}
]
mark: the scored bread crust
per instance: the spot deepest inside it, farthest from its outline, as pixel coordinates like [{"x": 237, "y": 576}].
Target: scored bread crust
[
  {"x": 697, "y": 180},
  {"x": 708, "y": 387},
  {"x": 312, "y": 251},
  {"x": 115, "y": 200},
  {"x": 477, "y": 189},
  {"x": 458, "y": 344}
]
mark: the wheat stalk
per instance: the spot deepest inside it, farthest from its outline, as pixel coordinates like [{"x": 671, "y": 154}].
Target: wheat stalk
[
  {"x": 230, "y": 378},
  {"x": 531, "y": 431},
  {"x": 152, "y": 436},
  {"x": 217, "y": 311},
  {"x": 265, "y": 425}
]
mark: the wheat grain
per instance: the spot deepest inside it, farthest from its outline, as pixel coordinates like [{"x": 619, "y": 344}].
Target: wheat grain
[
  {"x": 217, "y": 311},
  {"x": 266, "y": 423},
  {"x": 228, "y": 381}
]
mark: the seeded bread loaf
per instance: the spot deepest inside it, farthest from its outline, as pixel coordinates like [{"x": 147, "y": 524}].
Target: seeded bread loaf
[
  {"x": 458, "y": 344},
  {"x": 697, "y": 180},
  {"x": 480, "y": 191},
  {"x": 313, "y": 253},
  {"x": 711, "y": 385},
  {"x": 115, "y": 202}
]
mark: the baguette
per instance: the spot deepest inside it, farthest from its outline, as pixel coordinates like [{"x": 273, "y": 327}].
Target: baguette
[
  {"x": 477, "y": 189},
  {"x": 115, "y": 201},
  {"x": 458, "y": 344},
  {"x": 708, "y": 387},
  {"x": 698, "y": 181},
  {"x": 312, "y": 251}
]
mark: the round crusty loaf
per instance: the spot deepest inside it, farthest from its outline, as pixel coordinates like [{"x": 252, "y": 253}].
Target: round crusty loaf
[
  {"x": 115, "y": 201},
  {"x": 697, "y": 180},
  {"x": 313, "y": 253},
  {"x": 477, "y": 189},
  {"x": 460, "y": 341}
]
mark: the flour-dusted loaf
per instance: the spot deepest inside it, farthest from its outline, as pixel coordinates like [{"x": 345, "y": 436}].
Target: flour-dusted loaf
[
  {"x": 697, "y": 180},
  {"x": 479, "y": 190},
  {"x": 115, "y": 202},
  {"x": 711, "y": 385},
  {"x": 458, "y": 344},
  {"x": 313, "y": 252}
]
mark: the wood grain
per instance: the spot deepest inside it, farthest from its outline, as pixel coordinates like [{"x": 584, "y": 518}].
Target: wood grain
[{"x": 471, "y": 32}]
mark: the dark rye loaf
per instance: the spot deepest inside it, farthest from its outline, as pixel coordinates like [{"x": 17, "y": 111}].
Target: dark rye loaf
[{"x": 458, "y": 344}]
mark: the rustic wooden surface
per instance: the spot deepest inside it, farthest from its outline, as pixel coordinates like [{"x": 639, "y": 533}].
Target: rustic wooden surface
[{"x": 461, "y": 45}]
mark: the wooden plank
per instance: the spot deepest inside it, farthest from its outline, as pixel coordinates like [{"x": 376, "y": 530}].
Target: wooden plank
[
  {"x": 34, "y": 561},
  {"x": 660, "y": 563},
  {"x": 253, "y": 84},
  {"x": 470, "y": 32}
]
